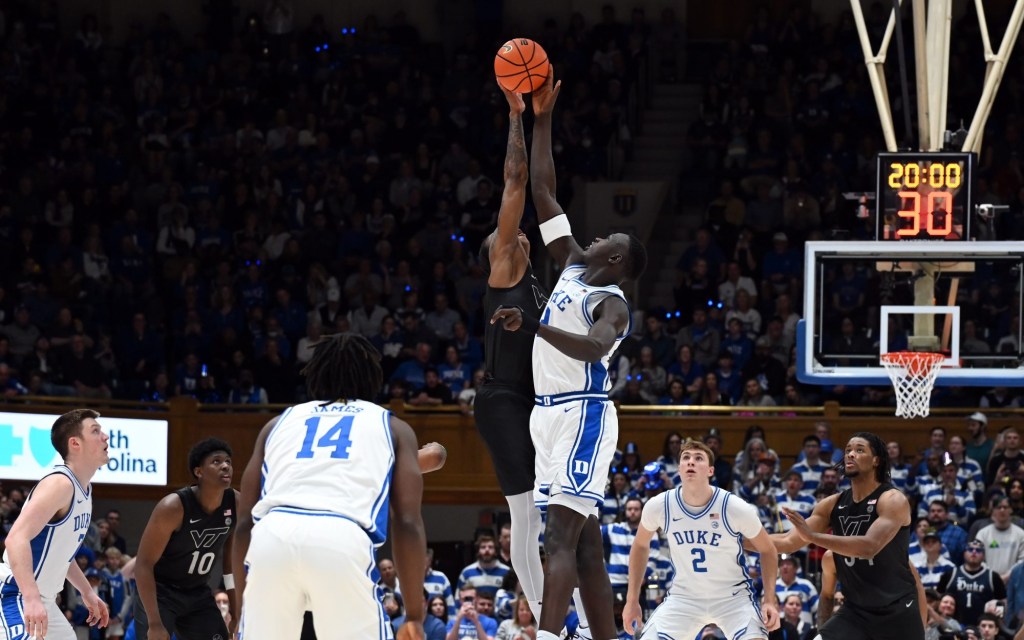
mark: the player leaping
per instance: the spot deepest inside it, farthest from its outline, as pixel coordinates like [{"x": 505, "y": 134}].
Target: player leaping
[
  {"x": 706, "y": 528},
  {"x": 871, "y": 521},
  {"x": 573, "y": 425},
  {"x": 503, "y": 404}
]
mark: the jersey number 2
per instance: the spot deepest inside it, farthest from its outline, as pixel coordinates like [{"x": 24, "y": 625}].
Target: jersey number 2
[
  {"x": 336, "y": 437},
  {"x": 698, "y": 560}
]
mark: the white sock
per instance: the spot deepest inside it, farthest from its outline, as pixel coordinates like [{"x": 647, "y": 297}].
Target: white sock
[
  {"x": 578, "y": 600},
  {"x": 525, "y": 547},
  {"x": 546, "y": 635}
]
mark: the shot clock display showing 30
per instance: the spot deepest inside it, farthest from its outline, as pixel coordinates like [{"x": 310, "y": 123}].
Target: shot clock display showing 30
[{"x": 924, "y": 196}]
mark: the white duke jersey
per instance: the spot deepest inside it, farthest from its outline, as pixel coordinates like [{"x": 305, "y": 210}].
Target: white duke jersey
[
  {"x": 335, "y": 459},
  {"x": 571, "y": 309},
  {"x": 55, "y": 547},
  {"x": 706, "y": 544}
]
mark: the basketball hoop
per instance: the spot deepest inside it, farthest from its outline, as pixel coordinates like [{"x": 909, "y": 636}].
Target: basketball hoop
[{"x": 913, "y": 376}]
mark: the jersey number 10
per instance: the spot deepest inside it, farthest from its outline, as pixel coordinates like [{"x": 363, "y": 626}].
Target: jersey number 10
[{"x": 336, "y": 438}]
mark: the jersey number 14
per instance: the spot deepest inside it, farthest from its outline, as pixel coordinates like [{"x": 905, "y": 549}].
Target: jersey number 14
[{"x": 335, "y": 437}]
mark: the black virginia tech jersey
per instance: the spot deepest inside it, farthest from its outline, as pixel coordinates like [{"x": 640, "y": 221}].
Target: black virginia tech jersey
[
  {"x": 880, "y": 582},
  {"x": 197, "y": 544},
  {"x": 508, "y": 354}
]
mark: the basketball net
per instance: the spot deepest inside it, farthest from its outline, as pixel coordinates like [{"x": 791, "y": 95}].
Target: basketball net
[{"x": 913, "y": 376}]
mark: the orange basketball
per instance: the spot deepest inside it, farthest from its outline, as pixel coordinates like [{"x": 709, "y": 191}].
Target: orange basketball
[{"x": 521, "y": 65}]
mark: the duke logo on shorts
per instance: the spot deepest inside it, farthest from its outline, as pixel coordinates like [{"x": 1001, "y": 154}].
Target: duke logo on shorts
[{"x": 574, "y": 426}]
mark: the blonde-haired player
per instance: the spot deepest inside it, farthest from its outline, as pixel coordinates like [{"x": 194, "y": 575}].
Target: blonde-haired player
[{"x": 705, "y": 528}]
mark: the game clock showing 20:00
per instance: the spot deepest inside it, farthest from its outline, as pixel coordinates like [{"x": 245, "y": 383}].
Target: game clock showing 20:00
[{"x": 924, "y": 196}]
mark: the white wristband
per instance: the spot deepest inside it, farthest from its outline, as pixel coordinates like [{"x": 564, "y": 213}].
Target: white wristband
[
  {"x": 229, "y": 581},
  {"x": 555, "y": 228}
]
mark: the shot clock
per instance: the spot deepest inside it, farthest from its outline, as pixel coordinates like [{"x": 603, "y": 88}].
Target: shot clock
[{"x": 924, "y": 195}]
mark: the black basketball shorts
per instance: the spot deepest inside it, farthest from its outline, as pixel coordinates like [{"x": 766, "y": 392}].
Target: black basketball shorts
[
  {"x": 189, "y": 615},
  {"x": 502, "y": 415},
  {"x": 902, "y": 621}
]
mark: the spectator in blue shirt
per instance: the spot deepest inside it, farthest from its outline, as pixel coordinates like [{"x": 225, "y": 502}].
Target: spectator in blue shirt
[
  {"x": 470, "y": 623},
  {"x": 414, "y": 372},
  {"x": 953, "y": 537}
]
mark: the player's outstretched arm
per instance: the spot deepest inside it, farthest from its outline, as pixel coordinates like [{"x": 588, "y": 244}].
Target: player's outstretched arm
[
  {"x": 791, "y": 541},
  {"x": 762, "y": 543},
  {"x": 50, "y": 498},
  {"x": 409, "y": 542},
  {"x": 827, "y": 597},
  {"x": 247, "y": 500},
  {"x": 639, "y": 553},
  {"x": 893, "y": 513},
  {"x": 507, "y": 259},
  {"x": 165, "y": 519},
  {"x": 612, "y": 321},
  {"x": 554, "y": 226}
]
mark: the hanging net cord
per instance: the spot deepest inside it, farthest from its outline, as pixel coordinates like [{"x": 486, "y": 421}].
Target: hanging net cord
[{"x": 913, "y": 376}]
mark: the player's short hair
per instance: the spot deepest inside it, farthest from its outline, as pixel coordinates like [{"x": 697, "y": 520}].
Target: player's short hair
[
  {"x": 878, "y": 448},
  {"x": 636, "y": 262},
  {"x": 344, "y": 366},
  {"x": 202, "y": 449},
  {"x": 67, "y": 426},
  {"x": 690, "y": 444}
]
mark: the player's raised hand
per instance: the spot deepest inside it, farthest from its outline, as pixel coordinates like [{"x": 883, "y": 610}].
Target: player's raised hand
[
  {"x": 511, "y": 318},
  {"x": 410, "y": 631},
  {"x": 632, "y": 618},
  {"x": 770, "y": 615},
  {"x": 516, "y": 104},
  {"x": 544, "y": 97}
]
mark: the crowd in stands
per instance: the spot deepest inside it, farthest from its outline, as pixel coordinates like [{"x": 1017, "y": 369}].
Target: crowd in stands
[{"x": 185, "y": 216}]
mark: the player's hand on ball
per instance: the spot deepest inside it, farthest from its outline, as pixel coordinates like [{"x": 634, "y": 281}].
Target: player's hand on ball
[
  {"x": 410, "y": 631},
  {"x": 516, "y": 104},
  {"x": 770, "y": 615},
  {"x": 544, "y": 97},
  {"x": 632, "y": 618},
  {"x": 511, "y": 318}
]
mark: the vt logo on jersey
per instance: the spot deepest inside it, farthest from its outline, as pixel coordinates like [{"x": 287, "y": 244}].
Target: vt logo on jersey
[
  {"x": 852, "y": 525},
  {"x": 208, "y": 537},
  {"x": 538, "y": 295}
]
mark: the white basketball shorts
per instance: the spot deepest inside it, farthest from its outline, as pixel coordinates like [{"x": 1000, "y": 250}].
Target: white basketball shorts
[
  {"x": 310, "y": 561},
  {"x": 575, "y": 442},
  {"x": 682, "y": 619}
]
